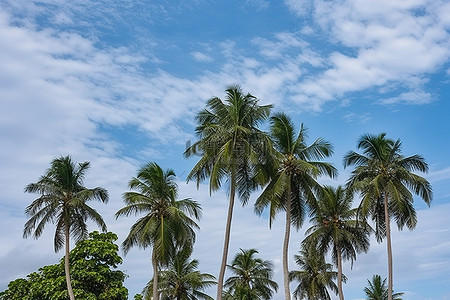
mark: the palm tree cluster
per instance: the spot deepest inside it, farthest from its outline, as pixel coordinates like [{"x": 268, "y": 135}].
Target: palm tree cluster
[{"x": 234, "y": 150}]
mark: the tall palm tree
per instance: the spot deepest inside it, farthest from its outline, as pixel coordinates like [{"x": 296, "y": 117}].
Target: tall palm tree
[
  {"x": 377, "y": 290},
  {"x": 315, "y": 276},
  {"x": 181, "y": 280},
  {"x": 63, "y": 201},
  {"x": 252, "y": 277},
  {"x": 386, "y": 181},
  {"x": 293, "y": 184},
  {"x": 166, "y": 223},
  {"x": 232, "y": 148},
  {"x": 335, "y": 227}
]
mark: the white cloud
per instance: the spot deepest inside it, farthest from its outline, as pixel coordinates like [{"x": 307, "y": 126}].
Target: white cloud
[
  {"x": 412, "y": 97},
  {"x": 392, "y": 41},
  {"x": 436, "y": 175},
  {"x": 201, "y": 57},
  {"x": 357, "y": 118}
]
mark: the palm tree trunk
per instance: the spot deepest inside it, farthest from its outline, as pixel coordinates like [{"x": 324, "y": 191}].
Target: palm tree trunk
[
  {"x": 389, "y": 246},
  {"x": 287, "y": 233},
  {"x": 155, "y": 276},
  {"x": 66, "y": 263},
  {"x": 339, "y": 261},
  {"x": 226, "y": 242}
]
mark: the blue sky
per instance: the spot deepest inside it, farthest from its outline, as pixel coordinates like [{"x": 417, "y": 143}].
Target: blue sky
[{"x": 118, "y": 83}]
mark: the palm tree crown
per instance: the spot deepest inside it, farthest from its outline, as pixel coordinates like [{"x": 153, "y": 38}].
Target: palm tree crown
[
  {"x": 63, "y": 201},
  {"x": 232, "y": 148},
  {"x": 252, "y": 277},
  {"x": 166, "y": 224},
  {"x": 315, "y": 276},
  {"x": 382, "y": 173},
  {"x": 230, "y": 142},
  {"x": 181, "y": 280},
  {"x": 377, "y": 290},
  {"x": 292, "y": 185}
]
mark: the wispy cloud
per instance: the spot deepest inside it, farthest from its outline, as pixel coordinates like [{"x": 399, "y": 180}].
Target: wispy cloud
[{"x": 201, "y": 57}]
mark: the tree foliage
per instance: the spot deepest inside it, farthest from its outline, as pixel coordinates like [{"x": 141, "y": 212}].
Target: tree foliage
[
  {"x": 377, "y": 290},
  {"x": 181, "y": 280},
  {"x": 251, "y": 279},
  {"x": 315, "y": 276},
  {"x": 93, "y": 264}
]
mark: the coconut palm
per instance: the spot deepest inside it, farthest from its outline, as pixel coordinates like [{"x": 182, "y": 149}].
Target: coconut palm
[
  {"x": 335, "y": 227},
  {"x": 377, "y": 290},
  {"x": 386, "y": 182},
  {"x": 166, "y": 222},
  {"x": 292, "y": 186},
  {"x": 231, "y": 148},
  {"x": 181, "y": 280},
  {"x": 315, "y": 276},
  {"x": 63, "y": 201},
  {"x": 251, "y": 279}
]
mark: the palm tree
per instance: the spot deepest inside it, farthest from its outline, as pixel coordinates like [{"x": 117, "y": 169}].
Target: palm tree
[
  {"x": 377, "y": 290},
  {"x": 385, "y": 179},
  {"x": 293, "y": 182},
  {"x": 181, "y": 280},
  {"x": 62, "y": 201},
  {"x": 314, "y": 276},
  {"x": 252, "y": 277},
  {"x": 335, "y": 227},
  {"x": 232, "y": 148},
  {"x": 166, "y": 224}
]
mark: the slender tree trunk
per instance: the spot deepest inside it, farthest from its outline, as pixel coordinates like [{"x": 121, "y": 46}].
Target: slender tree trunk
[
  {"x": 226, "y": 242},
  {"x": 287, "y": 233},
  {"x": 389, "y": 246},
  {"x": 155, "y": 276},
  {"x": 339, "y": 261},
  {"x": 66, "y": 263}
]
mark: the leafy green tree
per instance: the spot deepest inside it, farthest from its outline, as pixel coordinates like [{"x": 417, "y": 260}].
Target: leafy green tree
[
  {"x": 232, "y": 148},
  {"x": 335, "y": 227},
  {"x": 17, "y": 289},
  {"x": 181, "y": 280},
  {"x": 293, "y": 184},
  {"x": 377, "y": 290},
  {"x": 93, "y": 263},
  {"x": 252, "y": 277},
  {"x": 386, "y": 181},
  {"x": 315, "y": 276},
  {"x": 63, "y": 201},
  {"x": 166, "y": 224}
]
